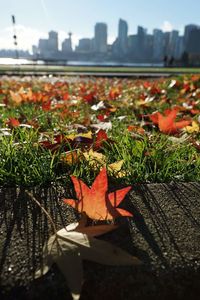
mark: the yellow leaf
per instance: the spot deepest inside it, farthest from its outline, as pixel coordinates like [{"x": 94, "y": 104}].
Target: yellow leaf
[
  {"x": 116, "y": 166},
  {"x": 95, "y": 158},
  {"x": 16, "y": 98},
  {"x": 112, "y": 109},
  {"x": 116, "y": 169},
  {"x": 73, "y": 136},
  {"x": 193, "y": 128}
]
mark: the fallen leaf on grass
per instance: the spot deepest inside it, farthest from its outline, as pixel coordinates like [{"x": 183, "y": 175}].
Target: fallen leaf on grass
[
  {"x": 116, "y": 169},
  {"x": 68, "y": 248},
  {"x": 71, "y": 157},
  {"x": 136, "y": 129},
  {"x": 85, "y": 135},
  {"x": 98, "y": 106},
  {"x": 167, "y": 123},
  {"x": 101, "y": 137},
  {"x": 13, "y": 122},
  {"x": 193, "y": 128},
  {"x": 102, "y": 125},
  {"x": 179, "y": 140},
  {"x": 116, "y": 166},
  {"x": 94, "y": 158},
  {"x": 96, "y": 202},
  {"x": 98, "y": 160},
  {"x": 16, "y": 98}
]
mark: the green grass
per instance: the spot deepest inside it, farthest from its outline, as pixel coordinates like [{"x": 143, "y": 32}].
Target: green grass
[
  {"x": 149, "y": 157},
  {"x": 93, "y": 69},
  {"x": 24, "y": 162}
]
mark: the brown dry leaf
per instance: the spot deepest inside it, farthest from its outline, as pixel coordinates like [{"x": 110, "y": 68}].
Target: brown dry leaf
[
  {"x": 94, "y": 230},
  {"x": 72, "y": 157},
  {"x": 68, "y": 248}
]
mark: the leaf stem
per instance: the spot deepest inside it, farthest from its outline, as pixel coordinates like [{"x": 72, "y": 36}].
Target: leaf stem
[{"x": 44, "y": 210}]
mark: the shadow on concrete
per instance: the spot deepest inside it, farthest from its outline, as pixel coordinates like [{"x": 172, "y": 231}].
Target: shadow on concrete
[{"x": 164, "y": 234}]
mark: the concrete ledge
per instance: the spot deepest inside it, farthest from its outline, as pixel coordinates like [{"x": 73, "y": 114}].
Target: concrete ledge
[{"x": 164, "y": 234}]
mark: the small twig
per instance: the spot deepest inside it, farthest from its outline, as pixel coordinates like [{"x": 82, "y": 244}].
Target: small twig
[
  {"x": 44, "y": 210},
  {"x": 48, "y": 217}
]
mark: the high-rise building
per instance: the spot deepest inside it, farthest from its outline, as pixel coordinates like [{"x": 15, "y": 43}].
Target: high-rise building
[
  {"x": 173, "y": 39},
  {"x": 53, "y": 41},
  {"x": 43, "y": 47},
  {"x": 187, "y": 31},
  {"x": 141, "y": 42},
  {"x": 132, "y": 46},
  {"x": 148, "y": 51},
  {"x": 122, "y": 41},
  {"x": 84, "y": 45},
  {"x": 100, "y": 38},
  {"x": 179, "y": 49},
  {"x": 158, "y": 45},
  {"x": 48, "y": 48},
  {"x": 194, "y": 41},
  {"x": 167, "y": 43}
]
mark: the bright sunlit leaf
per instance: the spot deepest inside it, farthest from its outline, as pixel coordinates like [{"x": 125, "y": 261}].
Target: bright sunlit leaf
[{"x": 96, "y": 201}]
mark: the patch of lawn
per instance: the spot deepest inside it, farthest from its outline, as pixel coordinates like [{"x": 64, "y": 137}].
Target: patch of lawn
[
  {"x": 53, "y": 128},
  {"x": 95, "y": 69}
]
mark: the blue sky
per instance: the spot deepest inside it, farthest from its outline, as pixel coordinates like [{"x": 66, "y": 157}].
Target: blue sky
[{"x": 36, "y": 17}]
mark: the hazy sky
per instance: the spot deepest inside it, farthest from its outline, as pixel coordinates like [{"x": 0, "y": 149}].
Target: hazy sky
[{"x": 36, "y": 17}]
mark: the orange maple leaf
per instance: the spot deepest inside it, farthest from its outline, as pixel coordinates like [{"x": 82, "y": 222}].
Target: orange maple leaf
[
  {"x": 13, "y": 122},
  {"x": 96, "y": 202},
  {"x": 166, "y": 122}
]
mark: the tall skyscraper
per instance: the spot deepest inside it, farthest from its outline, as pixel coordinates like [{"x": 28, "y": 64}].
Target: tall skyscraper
[
  {"x": 174, "y": 34},
  {"x": 132, "y": 46},
  {"x": 100, "y": 38},
  {"x": 179, "y": 48},
  {"x": 122, "y": 41},
  {"x": 141, "y": 42},
  {"x": 53, "y": 41},
  {"x": 187, "y": 31},
  {"x": 158, "y": 45},
  {"x": 166, "y": 42},
  {"x": 148, "y": 53},
  {"x": 194, "y": 41},
  {"x": 43, "y": 47}
]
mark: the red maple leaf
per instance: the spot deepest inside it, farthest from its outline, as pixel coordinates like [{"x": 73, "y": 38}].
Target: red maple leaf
[
  {"x": 13, "y": 122},
  {"x": 46, "y": 106},
  {"x": 101, "y": 137},
  {"x": 167, "y": 123},
  {"x": 96, "y": 202}
]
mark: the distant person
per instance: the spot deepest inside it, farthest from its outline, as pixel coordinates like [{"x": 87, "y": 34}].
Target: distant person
[
  {"x": 185, "y": 59},
  {"x": 165, "y": 60},
  {"x": 171, "y": 61}
]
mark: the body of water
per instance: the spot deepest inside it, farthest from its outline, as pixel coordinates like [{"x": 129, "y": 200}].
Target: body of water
[{"x": 20, "y": 61}]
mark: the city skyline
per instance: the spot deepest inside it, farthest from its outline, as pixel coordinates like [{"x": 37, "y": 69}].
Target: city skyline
[
  {"x": 64, "y": 35},
  {"x": 34, "y": 19},
  {"x": 159, "y": 47}
]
